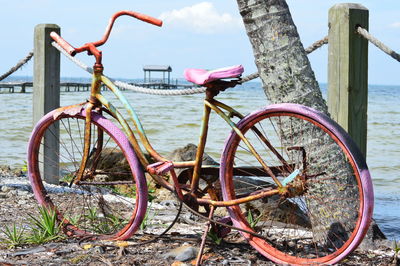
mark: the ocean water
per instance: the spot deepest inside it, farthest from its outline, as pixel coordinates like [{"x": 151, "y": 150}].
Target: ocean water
[{"x": 173, "y": 121}]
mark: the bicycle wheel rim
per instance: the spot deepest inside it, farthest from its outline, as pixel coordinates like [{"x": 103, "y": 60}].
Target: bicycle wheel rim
[
  {"x": 364, "y": 184},
  {"x": 138, "y": 208}
]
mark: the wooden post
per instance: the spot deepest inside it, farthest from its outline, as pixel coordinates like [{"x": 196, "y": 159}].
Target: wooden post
[
  {"x": 348, "y": 70},
  {"x": 46, "y": 95}
]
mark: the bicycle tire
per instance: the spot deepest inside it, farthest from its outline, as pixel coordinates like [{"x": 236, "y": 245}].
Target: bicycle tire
[
  {"x": 310, "y": 226},
  {"x": 112, "y": 201}
]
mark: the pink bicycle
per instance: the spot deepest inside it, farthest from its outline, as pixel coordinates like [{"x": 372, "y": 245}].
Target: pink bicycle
[{"x": 291, "y": 180}]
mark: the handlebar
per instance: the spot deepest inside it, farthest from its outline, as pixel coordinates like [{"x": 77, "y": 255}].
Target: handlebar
[
  {"x": 63, "y": 43},
  {"x": 91, "y": 47}
]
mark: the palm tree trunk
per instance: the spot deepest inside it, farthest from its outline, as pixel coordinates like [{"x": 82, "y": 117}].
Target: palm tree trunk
[
  {"x": 284, "y": 68},
  {"x": 282, "y": 63}
]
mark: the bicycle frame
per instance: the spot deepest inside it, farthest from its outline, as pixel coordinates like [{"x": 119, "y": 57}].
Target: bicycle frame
[{"x": 97, "y": 100}]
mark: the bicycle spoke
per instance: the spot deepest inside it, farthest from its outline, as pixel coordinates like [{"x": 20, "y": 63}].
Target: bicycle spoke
[
  {"x": 104, "y": 205},
  {"x": 308, "y": 220}
]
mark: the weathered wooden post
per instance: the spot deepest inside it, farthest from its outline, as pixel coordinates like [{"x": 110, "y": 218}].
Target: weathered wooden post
[
  {"x": 46, "y": 95},
  {"x": 348, "y": 70}
]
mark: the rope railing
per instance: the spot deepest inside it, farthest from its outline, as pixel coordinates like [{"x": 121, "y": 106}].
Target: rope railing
[
  {"x": 176, "y": 92},
  {"x": 17, "y": 66},
  {"x": 128, "y": 86},
  {"x": 364, "y": 33},
  {"x": 318, "y": 44},
  {"x": 249, "y": 77},
  {"x": 196, "y": 90},
  {"x": 309, "y": 50}
]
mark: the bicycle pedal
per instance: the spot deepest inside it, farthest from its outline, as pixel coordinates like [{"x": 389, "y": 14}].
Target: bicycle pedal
[{"x": 160, "y": 168}]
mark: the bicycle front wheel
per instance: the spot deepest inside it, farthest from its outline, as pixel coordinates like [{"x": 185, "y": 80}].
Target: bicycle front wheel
[
  {"x": 324, "y": 207},
  {"x": 110, "y": 200}
]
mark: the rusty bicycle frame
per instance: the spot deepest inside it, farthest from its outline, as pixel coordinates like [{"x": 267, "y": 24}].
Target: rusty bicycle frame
[
  {"x": 210, "y": 104},
  {"x": 100, "y": 103}
]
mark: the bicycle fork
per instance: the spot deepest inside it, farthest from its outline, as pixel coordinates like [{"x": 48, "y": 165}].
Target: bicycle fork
[{"x": 95, "y": 154}]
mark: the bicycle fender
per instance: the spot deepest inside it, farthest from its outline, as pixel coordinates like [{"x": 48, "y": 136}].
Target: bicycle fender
[{"x": 69, "y": 110}]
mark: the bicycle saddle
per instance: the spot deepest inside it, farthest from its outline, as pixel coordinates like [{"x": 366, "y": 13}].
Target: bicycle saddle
[{"x": 202, "y": 76}]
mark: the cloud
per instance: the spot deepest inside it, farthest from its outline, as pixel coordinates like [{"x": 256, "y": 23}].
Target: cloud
[
  {"x": 395, "y": 25},
  {"x": 202, "y": 18}
]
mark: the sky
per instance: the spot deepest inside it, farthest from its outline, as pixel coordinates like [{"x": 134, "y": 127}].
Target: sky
[{"x": 196, "y": 34}]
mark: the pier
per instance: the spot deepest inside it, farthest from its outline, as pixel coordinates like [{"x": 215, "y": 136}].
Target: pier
[
  {"x": 24, "y": 87},
  {"x": 149, "y": 81},
  {"x": 12, "y": 86}
]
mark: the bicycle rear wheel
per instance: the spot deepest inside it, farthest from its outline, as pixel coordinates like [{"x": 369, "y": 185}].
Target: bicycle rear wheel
[
  {"x": 110, "y": 201},
  {"x": 327, "y": 208}
]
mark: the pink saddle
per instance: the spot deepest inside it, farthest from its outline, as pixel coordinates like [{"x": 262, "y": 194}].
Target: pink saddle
[{"x": 202, "y": 76}]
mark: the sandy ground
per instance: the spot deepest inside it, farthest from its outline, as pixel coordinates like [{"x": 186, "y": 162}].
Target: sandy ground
[{"x": 17, "y": 202}]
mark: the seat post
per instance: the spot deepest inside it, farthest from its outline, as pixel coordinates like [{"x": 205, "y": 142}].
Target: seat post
[
  {"x": 211, "y": 93},
  {"x": 200, "y": 148}
]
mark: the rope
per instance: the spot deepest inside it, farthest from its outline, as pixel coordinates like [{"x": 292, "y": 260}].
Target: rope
[
  {"x": 316, "y": 45},
  {"x": 17, "y": 66},
  {"x": 308, "y": 50},
  {"x": 135, "y": 88},
  {"x": 364, "y": 33},
  {"x": 128, "y": 86},
  {"x": 73, "y": 59},
  {"x": 249, "y": 77}
]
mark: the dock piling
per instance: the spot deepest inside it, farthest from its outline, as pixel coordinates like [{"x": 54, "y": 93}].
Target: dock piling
[
  {"x": 46, "y": 95},
  {"x": 348, "y": 70}
]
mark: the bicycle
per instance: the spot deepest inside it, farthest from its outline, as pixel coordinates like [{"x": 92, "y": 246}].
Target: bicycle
[{"x": 280, "y": 171}]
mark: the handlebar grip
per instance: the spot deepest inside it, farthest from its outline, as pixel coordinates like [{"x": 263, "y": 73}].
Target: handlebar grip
[
  {"x": 63, "y": 43},
  {"x": 146, "y": 18}
]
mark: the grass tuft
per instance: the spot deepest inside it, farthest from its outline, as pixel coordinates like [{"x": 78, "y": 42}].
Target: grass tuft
[
  {"x": 14, "y": 236},
  {"x": 44, "y": 228}
]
